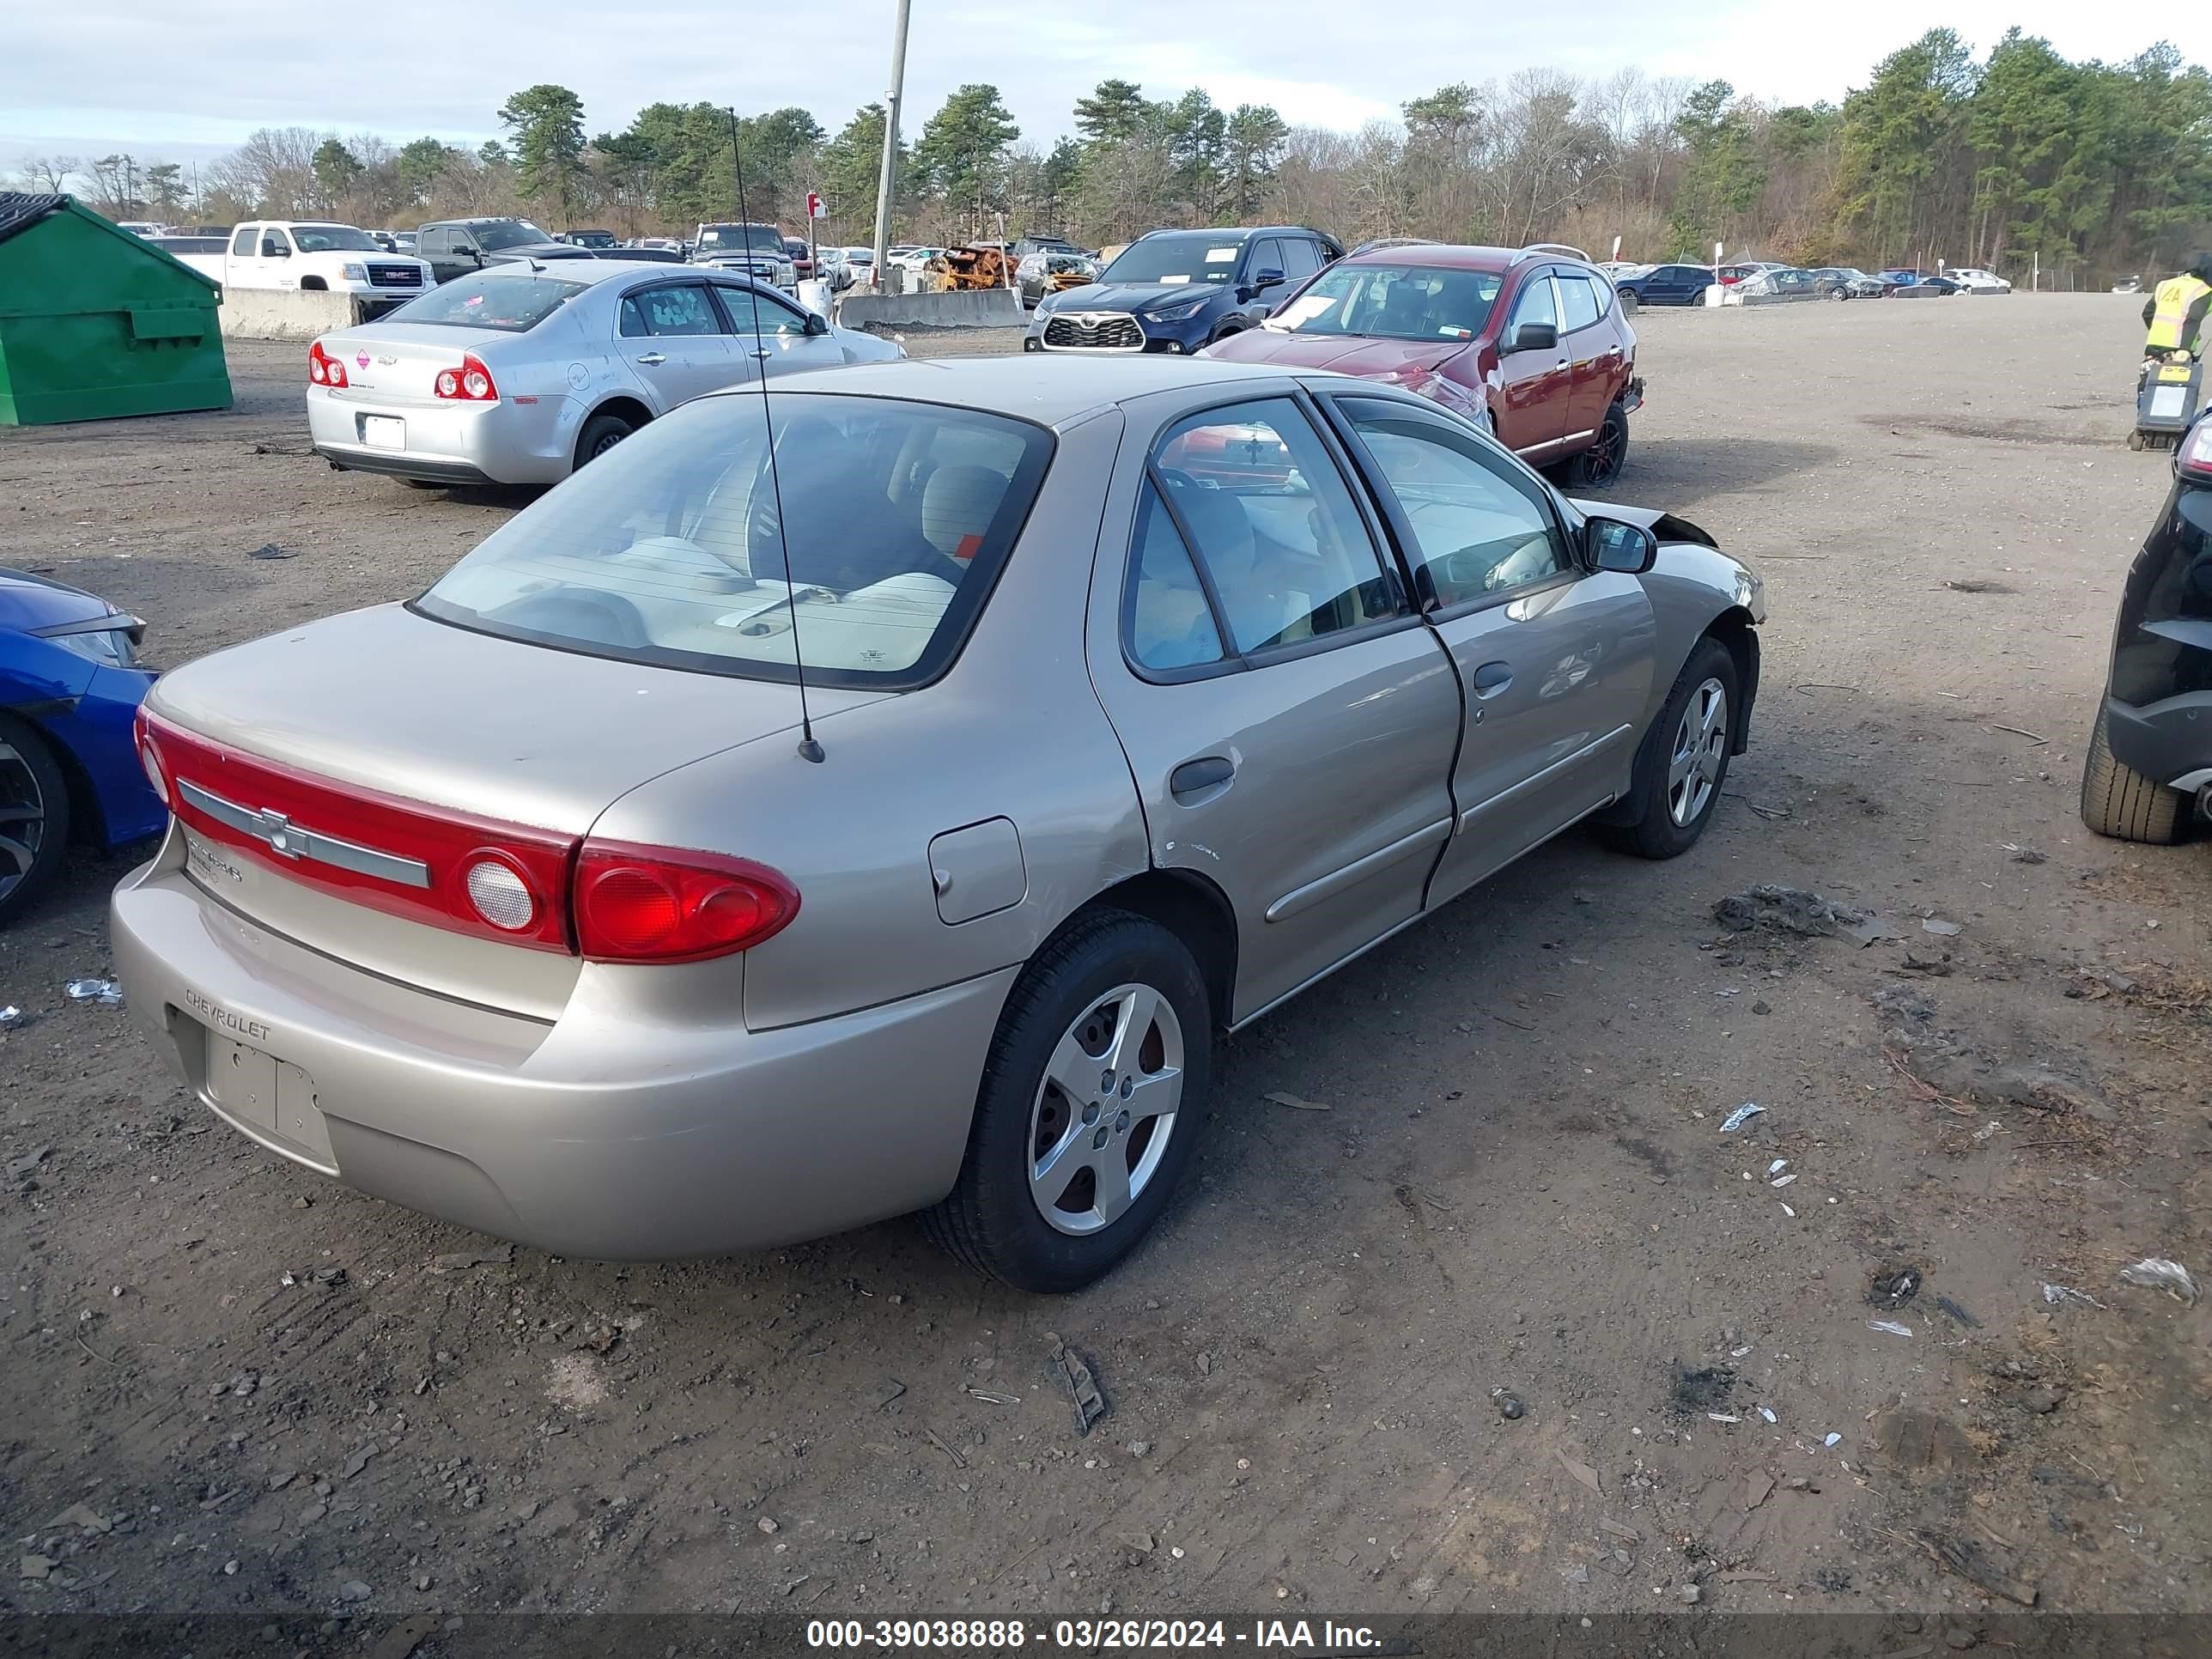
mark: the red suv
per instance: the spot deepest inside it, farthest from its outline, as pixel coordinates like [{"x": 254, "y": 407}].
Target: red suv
[{"x": 1525, "y": 341}]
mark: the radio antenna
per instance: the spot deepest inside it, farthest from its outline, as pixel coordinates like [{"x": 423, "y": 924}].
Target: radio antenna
[{"x": 809, "y": 749}]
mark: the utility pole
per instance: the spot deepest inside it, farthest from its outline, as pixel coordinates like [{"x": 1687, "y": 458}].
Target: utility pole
[{"x": 886, "y": 179}]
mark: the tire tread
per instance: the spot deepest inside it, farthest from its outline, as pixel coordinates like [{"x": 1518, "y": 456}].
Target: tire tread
[{"x": 2120, "y": 802}]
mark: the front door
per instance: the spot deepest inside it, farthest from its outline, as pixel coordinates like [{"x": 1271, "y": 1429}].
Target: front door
[
  {"x": 1538, "y": 381},
  {"x": 678, "y": 345},
  {"x": 1556, "y": 660},
  {"x": 771, "y": 331},
  {"x": 1289, "y": 722}
]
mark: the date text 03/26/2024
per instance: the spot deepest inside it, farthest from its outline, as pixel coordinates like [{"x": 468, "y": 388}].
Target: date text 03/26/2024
[{"x": 1291, "y": 1636}]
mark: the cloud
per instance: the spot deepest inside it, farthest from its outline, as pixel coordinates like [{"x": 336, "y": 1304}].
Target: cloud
[{"x": 189, "y": 80}]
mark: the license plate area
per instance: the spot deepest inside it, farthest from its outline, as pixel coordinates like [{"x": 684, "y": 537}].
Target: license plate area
[
  {"x": 271, "y": 1098},
  {"x": 383, "y": 432}
]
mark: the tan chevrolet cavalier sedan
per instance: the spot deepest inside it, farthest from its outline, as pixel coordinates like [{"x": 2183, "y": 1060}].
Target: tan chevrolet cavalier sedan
[{"x": 1143, "y": 694}]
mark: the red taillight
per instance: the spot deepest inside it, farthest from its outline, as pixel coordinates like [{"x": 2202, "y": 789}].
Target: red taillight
[
  {"x": 449, "y": 869},
  {"x": 323, "y": 369},
  {"x": 149, "y": 756},
  {"x": 654, "y": 904},
  {"x": 2195, "y": 456},
  {"x": 472, "y": 383}
]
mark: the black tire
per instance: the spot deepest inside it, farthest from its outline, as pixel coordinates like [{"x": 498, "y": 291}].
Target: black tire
[
  {"x": 990, "y": 1221},
  {"x": 1651, "y": 831},
  {"x": 600, "y": 433},
  {"x": 30, "y": 847},
  {"x": 1601, "y": 462},
  {"x": 1840, "y": 294},
  {"x": 2118, "y": 801}
]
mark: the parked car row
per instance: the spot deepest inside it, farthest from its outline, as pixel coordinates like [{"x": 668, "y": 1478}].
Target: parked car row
[{"x": 1529, "y": 344}]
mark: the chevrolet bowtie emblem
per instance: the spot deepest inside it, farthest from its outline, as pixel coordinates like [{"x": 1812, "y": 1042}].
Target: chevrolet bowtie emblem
[{"x": 277, "y": 830}]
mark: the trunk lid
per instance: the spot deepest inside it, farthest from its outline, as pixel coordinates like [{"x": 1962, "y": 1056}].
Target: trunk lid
[{"x": 420, "y": 717}]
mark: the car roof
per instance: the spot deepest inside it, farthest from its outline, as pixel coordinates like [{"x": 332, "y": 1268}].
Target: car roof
[
  {"x": 588, "y": 271},
  {"x": 1450, "y": 256},
  {"x": 1052, "y": 389}
]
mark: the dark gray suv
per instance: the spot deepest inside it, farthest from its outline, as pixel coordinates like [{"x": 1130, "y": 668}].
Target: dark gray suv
[{"x": 456, "y": 247}]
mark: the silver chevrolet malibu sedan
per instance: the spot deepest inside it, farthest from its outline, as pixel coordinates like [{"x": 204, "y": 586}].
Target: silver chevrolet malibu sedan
[
  {"x": 1139, "y": 695},
  {"x": 521, "y": 373}
]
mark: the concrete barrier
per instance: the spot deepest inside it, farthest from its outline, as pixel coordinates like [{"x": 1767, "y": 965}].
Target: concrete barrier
[
  {"x": 973, "y": 308},
  {"x": 278, "y": 314}
]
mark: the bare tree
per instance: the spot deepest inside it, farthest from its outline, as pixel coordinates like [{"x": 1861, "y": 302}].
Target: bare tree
[{"x": 50, "y": 175}]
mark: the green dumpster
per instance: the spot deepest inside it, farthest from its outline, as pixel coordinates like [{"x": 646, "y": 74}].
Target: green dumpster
[{"x": 96, "y": 323}]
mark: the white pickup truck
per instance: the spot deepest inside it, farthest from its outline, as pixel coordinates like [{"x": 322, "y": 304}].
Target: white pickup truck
[{"x": 303, "y": 255}]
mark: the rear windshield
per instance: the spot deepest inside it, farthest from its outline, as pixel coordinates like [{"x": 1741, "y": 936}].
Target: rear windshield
[
  {"x": 484, "y": 298},
  {"x": 1188, "y": 258},
  {"x": 1393, "y": 302},
  {"x": 897, "y": 517}
]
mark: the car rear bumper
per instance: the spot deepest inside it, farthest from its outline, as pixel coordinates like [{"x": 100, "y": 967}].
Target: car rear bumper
[
  {"x": 508, "y": 442},
  {"x": 2170, "y": 740},
  {"x": 599, "y": 1135}
]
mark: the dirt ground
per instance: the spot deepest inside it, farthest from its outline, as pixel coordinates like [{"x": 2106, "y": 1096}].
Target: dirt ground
[{"x": 274, "y": 1397}]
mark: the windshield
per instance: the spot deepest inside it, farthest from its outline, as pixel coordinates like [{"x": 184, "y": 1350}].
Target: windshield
[
  {"x": 753, "y": 238},
  {"x": 665, "y": 549},
  {"x": 1175, "y": 259},
  {"x": 509, "y": 233},
  {"x": 1393, "y": 302},
  {"x": 333, "y": 239},
  {"x": 486, "y": 299}
]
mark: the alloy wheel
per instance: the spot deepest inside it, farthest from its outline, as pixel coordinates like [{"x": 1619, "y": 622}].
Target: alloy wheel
[
  {"x": 1699, "y": 752},
  {"x": 1105, "y": 1109},
  {"x": 1602, "y": 461},
  {"x": 22, "y": 817}
]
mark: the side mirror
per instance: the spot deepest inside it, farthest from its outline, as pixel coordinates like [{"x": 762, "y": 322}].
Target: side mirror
[
  {"x": 1265, "y": 278},
  {"x": 817, "y": 323},
  {"x": 273, "y": 249},
  {"x": 1611, "y": 544},
  {"x": 1536, "y": 337}
]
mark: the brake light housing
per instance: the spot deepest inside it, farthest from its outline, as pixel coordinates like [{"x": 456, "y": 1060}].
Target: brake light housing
[
  {"x": 472, "y": 383},
  {"x": 323, "y": 369},
  {"x": 2193, "y": 457},
  {"x": 658, "y": 904}
]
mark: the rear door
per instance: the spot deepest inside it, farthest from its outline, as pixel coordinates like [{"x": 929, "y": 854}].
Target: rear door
[
  {"x": 1594, "y": 353},
  {"x": 1539, "y": 381},
  {"x": 677, "y": 344},
  {"x": 1289, "y": 722},
  {"x": 1555, "y": 661}
]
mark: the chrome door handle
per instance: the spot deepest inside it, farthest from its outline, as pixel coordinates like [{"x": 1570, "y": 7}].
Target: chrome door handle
[
  {"x": 653, "y": 359},
  {"x": 1196, "y": 777},
  {"x": 762, "y": 353}
]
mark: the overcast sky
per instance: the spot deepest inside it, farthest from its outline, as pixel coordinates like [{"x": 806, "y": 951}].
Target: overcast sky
[{"x": 187, "y": 82}]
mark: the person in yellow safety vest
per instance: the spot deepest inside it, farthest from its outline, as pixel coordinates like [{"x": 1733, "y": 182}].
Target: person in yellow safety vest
[{"x": 2176, "y": 311}]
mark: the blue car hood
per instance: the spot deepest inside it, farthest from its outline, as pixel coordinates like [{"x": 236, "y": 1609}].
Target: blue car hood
[
  {"x": 1130, "y": 296},
  {"x": 29, "y": 602}
]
